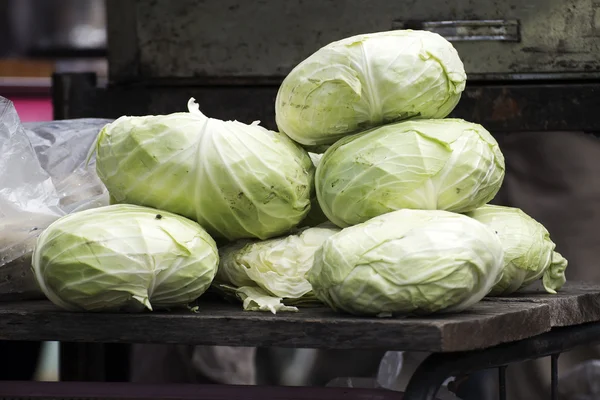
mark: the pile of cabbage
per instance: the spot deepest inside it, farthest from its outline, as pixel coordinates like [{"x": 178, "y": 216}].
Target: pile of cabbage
[{"x": 387, "y": 215}]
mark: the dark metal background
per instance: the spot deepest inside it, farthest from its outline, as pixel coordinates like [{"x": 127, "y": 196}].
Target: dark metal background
[{"x": 500, "y": 107}]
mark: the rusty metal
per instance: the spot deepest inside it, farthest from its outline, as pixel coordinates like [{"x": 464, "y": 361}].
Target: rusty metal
[
  {"x": 496, "y": 30},
  {"x": 431, "y": 374},
  {"x": 151, "y": 39},
  {"x": 500, "y": 108}
]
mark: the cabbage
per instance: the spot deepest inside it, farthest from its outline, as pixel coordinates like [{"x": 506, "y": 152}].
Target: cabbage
[
  {"x": 407, "y": 261},
  {"x": 447, "y": 164},
  {"x": 269, "y": 275},
  {"x": 236, "y": 180},
  {"x": 315, "y": 158},
  {"x": 369, "y": 80},
  {"x": 528, "y": 251},
  {"x": 124, "y": 257},
  {"x": 315, "y": 216},
  {"x": 254, "y": 298}
]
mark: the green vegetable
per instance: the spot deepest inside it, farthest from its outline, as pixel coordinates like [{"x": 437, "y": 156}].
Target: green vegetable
[
  {"x": 315, "y": 158},
  {"x": 124, "y": 257},
  {"x": 369, "y": 80},
  {"x": 274, "y": 269},
  {"x": 528, "y": 251},
  {"x": 315, "y": 216},
  {"x": 256, "y": 299},
  {"x": 447, "y": 164},
  {"x": 236, "y": 180},
  {"x": 407, "y": 261}
]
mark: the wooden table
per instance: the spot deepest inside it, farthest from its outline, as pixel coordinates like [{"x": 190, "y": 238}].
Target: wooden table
[{"x": 513, "y": 321}]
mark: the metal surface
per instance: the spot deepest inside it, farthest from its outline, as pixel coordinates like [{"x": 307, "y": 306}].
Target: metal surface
[
  {"x": 554, "y": 376},
  {"x": 132, "y": 391},
  {"x": 502, "y": 382},
  {"x": 468, "y": 31},
  {"x": 500, "y": 108},
  {"x": 432, "y": 373},
  {"x": 266, "y": 38}
]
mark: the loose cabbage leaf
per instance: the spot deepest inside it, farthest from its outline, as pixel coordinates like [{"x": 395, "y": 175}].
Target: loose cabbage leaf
[{"x": 277, "y": 267}]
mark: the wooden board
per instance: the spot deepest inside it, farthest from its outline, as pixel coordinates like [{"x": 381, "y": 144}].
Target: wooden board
[
  {"x": 17, "y": 281},
  {"x": 488, "y": 323},
  {"x": 577, "y": 303}
]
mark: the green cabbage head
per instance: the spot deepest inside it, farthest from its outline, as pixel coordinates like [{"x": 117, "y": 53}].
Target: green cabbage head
[
  {"x": 408, "y": 262},
  {"x": 124, "y": 257},
  {"x": 369, "y": 80},
  {"x": 528, "y": 251},
  {"x": 270, "y": 275},
  {"x": 446, "y": 164},
  {"x": 236, "y": 180},
  {"x": 315, "y": 216}
]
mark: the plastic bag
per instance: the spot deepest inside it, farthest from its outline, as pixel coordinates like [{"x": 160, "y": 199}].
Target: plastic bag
[
  {"x": 390, "y": 367},
  {"x": 225, "y": 364},
  {"x": 43, "y": 176},
  {"x": 581, "y": 382},
  {"x": 393, "y": 374}
]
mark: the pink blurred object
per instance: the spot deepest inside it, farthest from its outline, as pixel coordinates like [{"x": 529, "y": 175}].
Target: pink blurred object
[{"x": 33, "y": 109}]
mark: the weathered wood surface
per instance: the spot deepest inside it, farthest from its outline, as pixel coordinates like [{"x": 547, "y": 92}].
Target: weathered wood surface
[
  {"x": 488, "y": 323},
  {"x": 578, "y": 303},
  {"x": 17, "y": 281}
]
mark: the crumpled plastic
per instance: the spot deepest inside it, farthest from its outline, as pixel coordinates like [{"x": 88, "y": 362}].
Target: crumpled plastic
[
  {"x": 393, "y": 375},
  {"x": 225, "y": 364},
  {"x": 44, "y": 175},
  {"x": 152, "y": 363},
  {"x": 582, "y": 382}
]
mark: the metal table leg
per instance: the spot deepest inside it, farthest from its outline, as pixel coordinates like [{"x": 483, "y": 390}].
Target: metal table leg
[{"x": 432, "y": 373}]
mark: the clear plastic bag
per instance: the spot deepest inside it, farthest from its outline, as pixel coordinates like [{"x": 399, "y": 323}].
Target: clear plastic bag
[
  {"x": 390, "y": 368},
  {"x": 397, "y": 367},
  {"x": 395, "y": 370},
  {"x": 44, "y": 175},
  {"x": 225, "y": 364},
  {"x": 581, "y": 382}
]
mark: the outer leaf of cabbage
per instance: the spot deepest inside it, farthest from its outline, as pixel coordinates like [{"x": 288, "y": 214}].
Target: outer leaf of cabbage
[
  {"x": 255, "y": 298},
  {"x": 528, "y": 250},
  {"x": 315, "y": 216},
  {"x": 236, "y": 180},
  {"x": 447, "y": 164},
  {"x": 408, "y": 261},
  {"x": 315, "y": 158},
  {"x": 276, "y": 266},
  {"x": 124, "y": 257},
  {"x": 369, "y": 80}
]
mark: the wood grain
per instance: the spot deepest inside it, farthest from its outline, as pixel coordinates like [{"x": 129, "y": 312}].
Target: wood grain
[
  {"x": 17, "y": 281},
  {"x": 488, "y": 323},
  {"x": 577, "y": 303}
]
